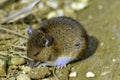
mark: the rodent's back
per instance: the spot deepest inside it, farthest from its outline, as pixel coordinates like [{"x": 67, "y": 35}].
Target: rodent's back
[{"x": 69, "y": 37}]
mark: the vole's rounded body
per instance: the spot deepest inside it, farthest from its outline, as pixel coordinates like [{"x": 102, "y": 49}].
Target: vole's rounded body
[{"x": 57, "y": 42}]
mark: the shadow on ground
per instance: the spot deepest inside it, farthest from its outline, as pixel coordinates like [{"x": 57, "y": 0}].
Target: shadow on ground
[{"x": 92, "y": 47}]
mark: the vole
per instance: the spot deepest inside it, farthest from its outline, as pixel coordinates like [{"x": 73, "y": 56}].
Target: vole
[{"x": 57, "y": 42}]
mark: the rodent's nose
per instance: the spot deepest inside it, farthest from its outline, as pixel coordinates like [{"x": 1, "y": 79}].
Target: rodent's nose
[{"x": 36, "y": 53}]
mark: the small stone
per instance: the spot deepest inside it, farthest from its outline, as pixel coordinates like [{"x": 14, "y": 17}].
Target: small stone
[
  {"x": 113, "y": 60},
  {"x": 23, "y": 77},
  {"x": 25, "y": 1},
  {"x": 79, "y": 5},
  {"x": 51, "y": 15},
  {"x": 104, "y": 73},
  {"x": 102, "y": 43},
  {"x": 17, "y": 61},
  {"x": 90, "y": 74},
  {"x": 69, "y": 12},
  {"x": 39, "y": 72},
  {"x": 41, "y": 5},
  {"x": 90, "y": 17},
  {"x": 46, "y": 79},
  {"x": 52, "y": 4},
  {"x": 113, "y": 38},
  {"x": 73, "y": 74},
  {"x": 2, "y": 68},
  {"x": 63, "y": 74},
  {"x": 25, "y": 68},
  {"x": 60, "y": 12},
  {"x": 100, "y": 7}
]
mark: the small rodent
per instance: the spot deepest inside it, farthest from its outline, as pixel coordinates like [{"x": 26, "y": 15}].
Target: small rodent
[{"x": 57, "y": 42}]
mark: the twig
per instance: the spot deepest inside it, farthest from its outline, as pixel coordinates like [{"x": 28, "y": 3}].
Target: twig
[
  {"x": 21, "y": 14},
  {"x": 20, "y": 47},
  {"x": 53, "y": 71},
  {"x": 13, "y": 32},
  {"x": 25, "y": 57}
]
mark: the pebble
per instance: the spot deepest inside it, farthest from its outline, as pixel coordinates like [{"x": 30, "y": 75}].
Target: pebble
[
  {"x": 41, "y": 5},
  {"x": 69, "y": 12},
  {"x": 39, "y": 72},
  {"x": 23, "y": 77},
  {"x": 52, "y": 4},
  {"x": 2, "y": 68},
  {"x": 51, "y": 15},
  {"x": 105, "y": 73},
  {"x": 73, "y": 74},
  {"x": 63, "y": 74},
  {"x": 46, "y": 79},
  {"x": 60, "y": 12},
  {"x": 25, "y": 1},
  {"x": 68, "y": 9},
  {"x": 90, "y": 74},
  {"x": 100, "y": 7},
  {"x": 113, "y": 38},
  {"x": 17, "y": 60},
  {"x": 102, "y": 43},
  {"x": 113, "y": 60},
  {"x": 79, "y": 5},
  {"x": 25, "y": 69}
]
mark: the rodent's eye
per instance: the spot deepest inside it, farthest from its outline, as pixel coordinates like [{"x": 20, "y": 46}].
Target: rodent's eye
[
  {"x": 36, "y": 53},
  {"x": 78, "y": 45}
]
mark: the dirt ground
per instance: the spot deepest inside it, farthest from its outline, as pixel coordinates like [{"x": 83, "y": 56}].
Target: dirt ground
[
  {"x": 101, "y": 19},
  {"x": 102, "y": 22}
]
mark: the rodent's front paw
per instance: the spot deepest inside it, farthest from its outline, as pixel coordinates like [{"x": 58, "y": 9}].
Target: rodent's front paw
[
  {"x": 61, "y": 62},
  {"x": 47, "y": 63},
  {"x": 43, "y": 64}
]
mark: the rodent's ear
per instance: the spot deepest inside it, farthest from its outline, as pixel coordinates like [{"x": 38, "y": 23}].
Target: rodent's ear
[
  {"x": 47, "y": 40},
  {"x": 29, "y": 30}
]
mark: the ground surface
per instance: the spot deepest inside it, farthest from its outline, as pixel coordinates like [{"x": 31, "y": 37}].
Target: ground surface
[{"x": 101, "y": 20}]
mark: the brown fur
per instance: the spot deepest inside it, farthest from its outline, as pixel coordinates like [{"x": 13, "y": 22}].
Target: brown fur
[{"x": 69, "y": 40}]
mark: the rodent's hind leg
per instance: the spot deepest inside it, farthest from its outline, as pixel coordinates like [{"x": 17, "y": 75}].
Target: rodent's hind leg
[
  {"x": 62, "y": 62},
  {"x": 58, "y": 63}
]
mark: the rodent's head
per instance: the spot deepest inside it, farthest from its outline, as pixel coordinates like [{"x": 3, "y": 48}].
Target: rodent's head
[{"x": 38, "y": 45}]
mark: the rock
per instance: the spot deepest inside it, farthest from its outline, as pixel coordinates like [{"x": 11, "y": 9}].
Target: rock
[
  {"x": 40, "y": 72},
  {"x": 52, "y": 4},
  {"x": 79, "y": 5},
  {"x": 25, "y": 69},
  {"x": 90, "y": 74},
  {"x": 73, "y": 74},
  {"x": 52, "y": 14},
  {"x": 2, "y": 68},
  {"x": 17, "y": 61},
  {"x": 23, "y": 77},
  {"x": 63, "y": 74}
]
